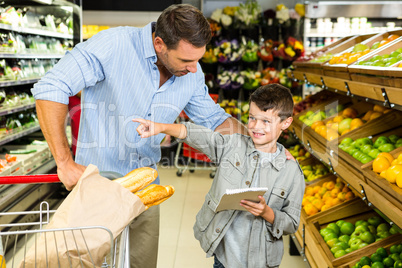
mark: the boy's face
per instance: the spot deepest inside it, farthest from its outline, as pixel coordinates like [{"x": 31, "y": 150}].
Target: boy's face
[{"x": 265, "y": 127}]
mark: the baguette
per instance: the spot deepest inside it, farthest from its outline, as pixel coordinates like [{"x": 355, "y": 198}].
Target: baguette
[
  {"x": 155, "y": 194},
  {"x": 138, "y": 178}
]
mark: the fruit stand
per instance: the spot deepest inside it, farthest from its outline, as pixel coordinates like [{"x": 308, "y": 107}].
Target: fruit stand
[{"x": 355, "y": 133}]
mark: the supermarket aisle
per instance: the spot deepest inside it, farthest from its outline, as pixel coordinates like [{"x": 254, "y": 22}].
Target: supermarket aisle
[{"x": 178, "y": 247}]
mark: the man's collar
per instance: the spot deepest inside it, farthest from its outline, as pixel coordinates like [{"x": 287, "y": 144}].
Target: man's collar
[{"x": 148, "y": 45}]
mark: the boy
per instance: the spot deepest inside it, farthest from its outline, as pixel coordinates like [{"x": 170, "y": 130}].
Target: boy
[{"x": 251, "y": 238}]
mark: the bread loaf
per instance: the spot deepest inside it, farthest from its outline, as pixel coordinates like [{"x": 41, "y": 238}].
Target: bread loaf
[
  {"x": 138, "y": 178},
  {"x": 155, "y": 194}
]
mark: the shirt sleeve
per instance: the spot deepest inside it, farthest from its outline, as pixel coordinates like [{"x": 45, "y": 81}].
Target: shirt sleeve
[
  {"x": 78, "y": 69},
  {"x": 201, "y": 108},
  {"x": 211, "y": 143},
  {"x": 288, "y": 218}
]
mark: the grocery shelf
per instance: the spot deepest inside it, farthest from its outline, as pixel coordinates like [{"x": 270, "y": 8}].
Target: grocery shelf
[
  {"x": 35, "y": 31},
  {"x": 18, "y": 82},
  {"x": 20, "y": 108},
  {"x": 338, "y": 35},
  {"x": 30, "y": 56},
  {"x": 44, "y": 168},
  {"x": 18, "y": 135}
]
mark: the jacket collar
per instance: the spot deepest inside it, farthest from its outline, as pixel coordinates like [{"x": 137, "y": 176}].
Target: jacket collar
[
  {"x": 148, "y": 46},
  {"x": 279, "y": 161}
]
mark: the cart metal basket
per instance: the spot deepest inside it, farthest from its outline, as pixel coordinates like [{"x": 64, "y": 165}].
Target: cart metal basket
[{"x": 17, "y": 239}]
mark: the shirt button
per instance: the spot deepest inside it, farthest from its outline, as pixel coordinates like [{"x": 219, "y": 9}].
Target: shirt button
[
  {"x": 255, "y": 157},
  {"x": 277, "y": 231},
  {"x": 282, "y": 193},
  {"x": 209, "y": 201},
  {"x": 237, "y": 164},
  {"x": 155, "y": 68},
  {"x": 218, "y": 230},
  {"x": 149, "y": 114},
  {"x": 247, "y": 183}
]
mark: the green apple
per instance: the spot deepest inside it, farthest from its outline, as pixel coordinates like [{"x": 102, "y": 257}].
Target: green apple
[
  {"x": 366, "y": 148},
  {"x": 347, "y": 228},
  {"x": 387, "y": 147},
  {"x": 357, "y": 154},
  {"x": 344, "y": 124},
  {"x": 394, "y": 230},
  {"x": 388, "y": 262},
  {"x": 393, "y": 138},
  {"x": 382, "y": 252},
  {"x": 341, "y": 244},
  {"x": 347, "y": 141},
  {"x": 339, "y": 223},
  {"x": 374, "y": 153},
  {"x": 365, "y": 261},
  {"x": 339, "y": 253},
  {"x": 384, "y": 234},
  {"x": 348, "y": 250},
  {"x": 367, "y": 237},
  {"x": 331, "y": 242},
  {"x": 334, "y": 227},
  {"x": 365, "y": 159},
  {"x": 399, "y": 141},
  {"x": 361, "y": 222},
  {"x": 330, "y": 236},
  {"x": 375, "y": 221},
  {"x": 394, "y": 249},
  {"x": 363, "y": 141},
  {"x": 372, "y": 229},
  {"x": 395, "y": 256},
  {"x": 362, "y": 245},
  {"x": 380, "y": 141},
  {"x": 335, "y": 249},
  {"x": 376, "y": 257},
  {"x": 383, "y": 227},
  {"x": 355, "y": 244},
  {"x": 352, "y": 239},
  {"x": 361, "y": 228},
  {"x": 339, "y": 108},
  {"x": 344, "y": 238}
]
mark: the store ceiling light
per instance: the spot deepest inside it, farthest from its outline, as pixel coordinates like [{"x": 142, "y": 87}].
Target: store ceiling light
[{"x": 47, "y": 2}]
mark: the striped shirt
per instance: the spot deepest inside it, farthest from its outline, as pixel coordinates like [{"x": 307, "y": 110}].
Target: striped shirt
[{"x": 116, "y": 70}]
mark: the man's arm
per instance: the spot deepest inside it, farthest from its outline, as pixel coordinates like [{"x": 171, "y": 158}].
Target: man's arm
[{"x": 52, "y": 116}]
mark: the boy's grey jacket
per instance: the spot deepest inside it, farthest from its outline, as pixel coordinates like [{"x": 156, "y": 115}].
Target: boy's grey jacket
[{"x": 238, "y": 159}]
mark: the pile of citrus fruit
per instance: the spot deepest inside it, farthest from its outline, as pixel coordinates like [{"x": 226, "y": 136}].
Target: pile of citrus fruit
[
  {"x": 321, "y": 197},
  {"x": 389, "y": 168}
]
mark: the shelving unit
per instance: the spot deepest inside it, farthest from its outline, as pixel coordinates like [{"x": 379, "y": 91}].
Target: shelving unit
[{"x": 17, "y": 197}]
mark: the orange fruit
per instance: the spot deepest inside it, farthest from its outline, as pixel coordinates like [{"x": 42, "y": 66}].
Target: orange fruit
[
  {"x": 338, "y": 118},
  {"x": 320, "y": 129},
  {"x": 332, "y": 134},
  {"x": 316, "y": 189},
  {"x": 383, "y": 174},
  {"x": 375, "y": 115},
  {"x": 379, "y": 108},
  {"x": 318, "y": 203},
  {"x": 349, "y": 196},
  {"x": 335, "y": 192},
  {"x": 322, "y": 191},
  {"x": 349, "y": 112},
  {"x": 398, "y": 181},
  {"x": 357, "y": 122},
  {"x": 316, "y": 124},
  {"x": 339, "y": 185},
  {"x": 305, "y": 202},
  {"x": 380, "y": 164},
  {"x": 392, "y": 172},
  {"x": 328, "y": 201},
  {"x": 346, "y": 131},
  {"x": 345, "y": 189},
  {"x": 309, "y": 190},
  {"x": 330, "y": 185},
  {"x": 387, "y": 111},
  {"x": 387, "y": 155},
  {"x": 324, "y": 207},
  {"x": 367, "y": 115},
  {"x": 310, "y": 209},
  {"x": 383, "y": 42},
  {"x": 341, "y": 196},
  {"x": 326, "y": 196},
  {"x": 392, "y": 37},
  {"x": 336, "y": 201}
]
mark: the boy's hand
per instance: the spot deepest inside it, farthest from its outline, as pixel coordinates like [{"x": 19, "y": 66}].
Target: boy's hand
[
  {"x": 289, "y": 156},
  {"x": 147, "y": 128},
  {"x": 259, "y": 209}
]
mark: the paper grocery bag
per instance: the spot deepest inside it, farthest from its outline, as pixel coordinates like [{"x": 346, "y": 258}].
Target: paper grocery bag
[{"x": 94, "y": 201}]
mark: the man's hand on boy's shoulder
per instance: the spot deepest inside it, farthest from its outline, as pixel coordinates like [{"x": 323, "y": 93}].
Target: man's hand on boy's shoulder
[{"x": 289, "y": 156}]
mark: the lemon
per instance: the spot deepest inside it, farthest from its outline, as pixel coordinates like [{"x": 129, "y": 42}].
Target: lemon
[
  {"x": 398, "y": 180},
  {"x": 392, "y": 172}
]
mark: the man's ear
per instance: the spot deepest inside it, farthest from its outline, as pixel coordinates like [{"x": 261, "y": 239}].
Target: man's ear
[
  {"x": 159, "y": 45},
  {"x": 286, "y": 123}
]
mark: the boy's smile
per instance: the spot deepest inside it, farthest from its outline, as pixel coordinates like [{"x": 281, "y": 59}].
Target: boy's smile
[{"x": 265, "y": 128}]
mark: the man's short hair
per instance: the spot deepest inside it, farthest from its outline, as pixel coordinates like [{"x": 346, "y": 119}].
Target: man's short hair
[
  {"x": 274, "y": 97},
  {"x": 183, "y": 22}
]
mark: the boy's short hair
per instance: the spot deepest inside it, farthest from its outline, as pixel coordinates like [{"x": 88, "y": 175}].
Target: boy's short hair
[{"x": 274, "y": 97}]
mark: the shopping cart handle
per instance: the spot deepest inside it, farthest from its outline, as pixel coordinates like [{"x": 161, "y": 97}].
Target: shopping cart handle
[{"x": 25, "y": 179}]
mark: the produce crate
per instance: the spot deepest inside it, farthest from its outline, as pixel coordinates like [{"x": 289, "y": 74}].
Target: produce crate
[
  {"x": 12, "y": 167},
  {"x": 309, "y": 67},
  {"x": 356, "y": 202},
  {"x": 313, "y": 100},
  {"x": 386, "y": 76},
  {"x": 351, "y": 215},
  {"x": 313, "y": 161},
  {"x": 31, "y": 160},
  {"x": 341, "y": 70},
  {"x": 389, "y": 190}
]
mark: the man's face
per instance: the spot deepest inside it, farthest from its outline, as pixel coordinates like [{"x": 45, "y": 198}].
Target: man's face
[
  {"x": 265, "y": 127},
  {"x": 182, "y": 60}
]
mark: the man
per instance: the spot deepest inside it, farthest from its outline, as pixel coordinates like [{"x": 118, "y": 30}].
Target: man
[{"x": 126, "y": 73}]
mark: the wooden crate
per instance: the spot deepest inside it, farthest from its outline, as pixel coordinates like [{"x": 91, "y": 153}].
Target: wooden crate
[
  {"x": 389, "y": 190},
  {"x": 341, "y": 70},
  {"x": 353, "y": 215},
  {"x": 387, "y": 76},
  {"x": 313, "y": 161},
  {"x": 309, "y": 67},
  {"x": 356, "y": 202},
  {"x": 312, "y": 251}
]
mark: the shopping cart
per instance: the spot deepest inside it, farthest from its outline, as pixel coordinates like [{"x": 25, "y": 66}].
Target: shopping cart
[
  {"x": 191, "y": 153},
  {"x": 17, "y": 240}
]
